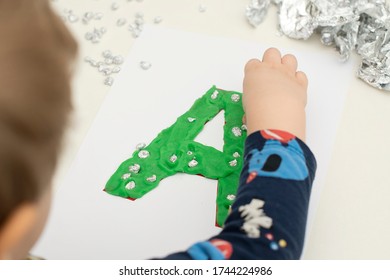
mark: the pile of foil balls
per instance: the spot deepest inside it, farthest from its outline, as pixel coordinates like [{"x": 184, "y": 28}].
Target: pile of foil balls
[{"x": 349, "y": 25}]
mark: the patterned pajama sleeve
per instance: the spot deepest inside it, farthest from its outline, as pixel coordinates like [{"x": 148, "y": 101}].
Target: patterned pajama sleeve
[{"x": 268, "y": 217}]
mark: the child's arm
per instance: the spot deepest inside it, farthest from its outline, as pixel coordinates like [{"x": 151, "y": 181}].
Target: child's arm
[{"x": 268, "y": 218}]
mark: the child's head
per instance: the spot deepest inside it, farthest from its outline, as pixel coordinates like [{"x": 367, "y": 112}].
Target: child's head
[{"x": 35, "y": 55}]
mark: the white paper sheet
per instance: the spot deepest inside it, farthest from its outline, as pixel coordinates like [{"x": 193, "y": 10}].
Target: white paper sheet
[{"x": 87, "y": 223}]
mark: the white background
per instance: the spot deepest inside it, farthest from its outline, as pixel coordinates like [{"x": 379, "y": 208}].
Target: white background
[{"x": 351, "y": 221}]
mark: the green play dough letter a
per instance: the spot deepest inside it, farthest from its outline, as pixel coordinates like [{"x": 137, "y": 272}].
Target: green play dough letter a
[{"x": 174, "y": 150}]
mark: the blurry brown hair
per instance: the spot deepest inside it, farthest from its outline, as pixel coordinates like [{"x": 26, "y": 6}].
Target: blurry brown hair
[{"x": 36, "y": 51}]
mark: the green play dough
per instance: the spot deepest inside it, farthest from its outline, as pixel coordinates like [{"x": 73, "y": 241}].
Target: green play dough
[{"x": 174, "y": 150}]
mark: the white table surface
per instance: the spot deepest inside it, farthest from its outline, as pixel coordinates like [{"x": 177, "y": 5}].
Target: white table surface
[{"x": 352, "y": 220}]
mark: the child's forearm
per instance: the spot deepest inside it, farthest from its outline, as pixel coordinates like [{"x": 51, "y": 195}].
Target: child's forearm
[
  {"x": 283, "y": 116},
  {"x": 268, "y": 219}
]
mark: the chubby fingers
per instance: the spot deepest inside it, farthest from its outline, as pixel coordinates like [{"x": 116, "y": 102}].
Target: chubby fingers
[
  {"x": 302, "y": 78},
  {"x": 291, "y": 62},
  {"x": 252, "y": 64},
  {"x": 272, "y": 55}
]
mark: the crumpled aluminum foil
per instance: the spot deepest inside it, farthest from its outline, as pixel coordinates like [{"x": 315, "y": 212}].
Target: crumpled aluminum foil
[
  {"x": 349, "y": 25},
  {"x": 295, "y": 19},
  {"x": 256, "y": 11}
]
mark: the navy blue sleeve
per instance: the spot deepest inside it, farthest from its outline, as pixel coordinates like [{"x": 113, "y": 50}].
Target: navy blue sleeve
[{"x": 268, "y": 217}]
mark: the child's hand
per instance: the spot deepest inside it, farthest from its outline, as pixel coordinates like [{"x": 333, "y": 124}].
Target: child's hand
[{"x": 275, "y": 94}]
